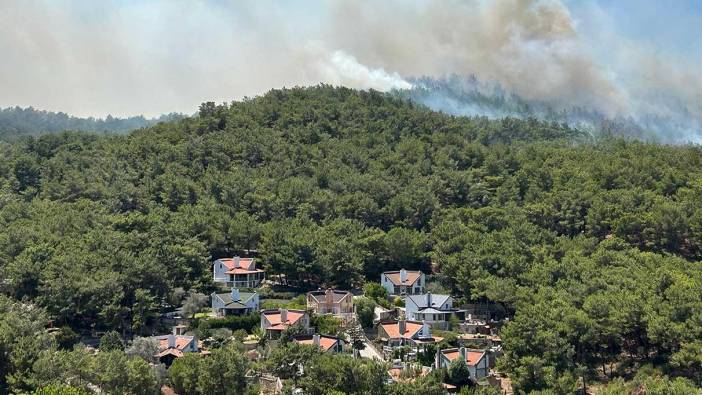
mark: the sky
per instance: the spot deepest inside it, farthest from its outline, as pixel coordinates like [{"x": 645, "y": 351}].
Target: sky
[{"x": 130, "y": 57}]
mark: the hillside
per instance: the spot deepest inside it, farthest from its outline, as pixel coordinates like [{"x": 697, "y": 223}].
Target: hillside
[
  {"x": 592, "y": 246},
  {"x": 672, "y": 123},
  {"x": 16, "y": 122}
]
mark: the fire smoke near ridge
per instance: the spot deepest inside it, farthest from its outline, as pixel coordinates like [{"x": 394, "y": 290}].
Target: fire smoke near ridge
[{"x": 93, "y": 58}]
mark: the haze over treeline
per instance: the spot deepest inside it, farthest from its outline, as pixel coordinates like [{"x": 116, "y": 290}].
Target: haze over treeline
[
  {"x": 16, "y": 122},
  {"x": 626, "y": 60}
]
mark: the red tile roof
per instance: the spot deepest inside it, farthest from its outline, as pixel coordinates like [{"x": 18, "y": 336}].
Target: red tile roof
[
  {"x": 170, "y": 351},
  {"x": 472, "y": 357},
  {"x": 180, "y": 342},
  {"x": 273, "y": 318},
  {"x": 393, "y": 329},
  {"x": 412, "y": 277},
  {"x": 325, "y": 342},
  {"x": 245, "y": 266}
]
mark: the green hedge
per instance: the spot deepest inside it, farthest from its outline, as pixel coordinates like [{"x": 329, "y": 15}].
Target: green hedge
[{"x": 246, "y": 322}]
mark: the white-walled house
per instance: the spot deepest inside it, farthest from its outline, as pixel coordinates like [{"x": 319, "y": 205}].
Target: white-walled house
[
  {"x": 433, "y": 309},
  {"x": 237, "y": 272},
  {"x": 234, "y": 303},
  {"x": 476, "y": 360},
  {"x": 403, "y": 282},
  {"x": 175, "y": 345}
]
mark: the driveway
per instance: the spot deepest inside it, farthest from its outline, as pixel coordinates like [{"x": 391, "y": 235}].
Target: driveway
[{"x": 369, "y": 351}]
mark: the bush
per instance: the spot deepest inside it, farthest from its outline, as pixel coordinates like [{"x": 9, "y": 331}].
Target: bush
[
  {"x": 398, "y": 302},
  {"x": 66, "y": 338},
  {"x": 246, "y": 322},
  {"x": 326, "y": 324},
  {"x": 375, "y": 291},
  {"x": 111, "y": 341},
  {"x": 365, "y": 309}
]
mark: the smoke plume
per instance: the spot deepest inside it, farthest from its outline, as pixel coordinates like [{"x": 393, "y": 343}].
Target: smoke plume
[{"x": 151, "y": 57}]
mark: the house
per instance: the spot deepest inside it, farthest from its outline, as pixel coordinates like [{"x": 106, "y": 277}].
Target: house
[
  {"x": 403, "y": 282},
  {"x": 234, "y": 303},
  {"x": 174, "y": 345},
  {"x": 436, "y": 310},
  {"x": 328, "y": 344},
  {"x": 330, "y": 301},
  {"x": 402, "y": 332},
  {"x": 476, "y": 360},
  {"x": 237, "y": 272},
  {"x": 273, "y": 322}
]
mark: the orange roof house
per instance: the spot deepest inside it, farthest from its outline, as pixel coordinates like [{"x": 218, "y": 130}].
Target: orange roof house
[
  {"x": 237, "y": 272},
  {"x": 174, "y": 345},
  {"x": 273, "y": 322},
  {"x": 402, "y": 332},
  {"x": 476, "y": 360},
  {"x": 329, "y": 344}
]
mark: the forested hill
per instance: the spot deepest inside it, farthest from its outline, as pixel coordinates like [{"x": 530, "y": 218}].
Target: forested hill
[
  {"x": 468, "y": 96},
  {"x": 592, "y": 246},
  {"x": 16, "y": 122}
]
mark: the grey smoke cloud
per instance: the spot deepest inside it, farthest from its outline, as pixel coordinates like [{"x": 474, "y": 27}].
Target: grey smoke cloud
[{"x": 151, "y": 57}]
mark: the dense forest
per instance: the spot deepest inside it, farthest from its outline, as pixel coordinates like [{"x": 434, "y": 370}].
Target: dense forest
[
  {"x": 469, "y": 96},
  {"x": 16, "y": 122},
  {"x": 591, "y": 246}
]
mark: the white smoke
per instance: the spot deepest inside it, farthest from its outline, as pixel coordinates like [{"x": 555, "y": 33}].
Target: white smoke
[
  {"x": 340, "y": 68},
  {"x": 125, "y": 58}
]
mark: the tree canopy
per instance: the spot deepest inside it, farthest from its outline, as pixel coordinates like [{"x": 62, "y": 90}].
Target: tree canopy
[{"x": 592, "y": 246}]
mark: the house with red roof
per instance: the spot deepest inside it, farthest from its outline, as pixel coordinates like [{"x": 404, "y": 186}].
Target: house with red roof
[
  {"x": 174, "y": 345},
  {"x": 237, "y": 272},
  {"x": 329, "y": 344},
  {"x": 476, "y": 360},
  {"x": 275, "y": 321},
  {"x": 402, "y": 333},
  {"x": 403, "y": 282}
]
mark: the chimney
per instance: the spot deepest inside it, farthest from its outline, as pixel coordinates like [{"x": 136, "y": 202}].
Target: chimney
[
  {"x": 235, "y": 294},
  {"x": 171, "y": 341},
  {"x": 462, "y": 353},
  {"x": 329, "y": 297},
  {"x": 428, "y": 299},
  {"x": 403, "y": 276},
  {"x": 283, "y": 315},
  {"x": 315, "y": 339},
  {"x": 402, "y": 325},
  {"x": 426, "y": 330},
  {"x": 437, "y": 359},
  {"x": 236, "y": 261}
]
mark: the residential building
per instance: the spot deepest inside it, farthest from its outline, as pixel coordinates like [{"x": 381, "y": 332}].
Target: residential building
[
  {"x": 234, "y": 302},
  {"x": 273, "y": 322},
  {"x": 330, "y": 301},
  {"x": 436, "y": 310},
  {"x": 329, "y": 344},
  {"x": 237, "y": 272},
  {"x": 175, "y": 345},
  {"x": 403, "y": 282},
  {"x": 403, "y": 332},
  {"x": 476, "y": 360}
]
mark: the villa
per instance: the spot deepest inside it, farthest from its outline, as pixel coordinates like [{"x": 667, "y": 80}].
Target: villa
[{"x": 237, "y": 272}]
